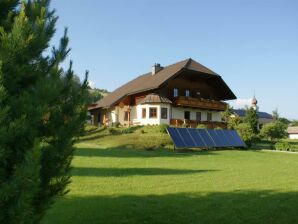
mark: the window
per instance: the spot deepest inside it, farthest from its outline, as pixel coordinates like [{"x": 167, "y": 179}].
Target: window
[
  {"x": 153, "y": 112},
  {"x": 209, "y": 116},
  {"x": 198, "y": 116},
  {"x": 164, "y": 113},
  {"x": 176, "y": 92},
  {"x": 187, "y": 93},
  {"x": 187, "y": 115},
  {"x": 126, "y": 115},
  {"x": 144, "y": 113}
]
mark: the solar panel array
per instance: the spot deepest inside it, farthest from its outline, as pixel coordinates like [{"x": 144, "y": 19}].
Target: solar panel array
[{"x": 204, "y": 138}]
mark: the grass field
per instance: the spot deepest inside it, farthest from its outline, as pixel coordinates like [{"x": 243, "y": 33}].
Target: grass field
[{"x": 116, "y": 181}]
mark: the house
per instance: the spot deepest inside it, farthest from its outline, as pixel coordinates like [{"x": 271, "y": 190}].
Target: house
[
  {"x": 182, "y": 93},
  {"x": 293, "y": 132}
]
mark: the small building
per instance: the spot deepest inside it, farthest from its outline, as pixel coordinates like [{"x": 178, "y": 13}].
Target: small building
[
  {"x": 293, "y": 132},
  {"x": 182, "y": 93}
]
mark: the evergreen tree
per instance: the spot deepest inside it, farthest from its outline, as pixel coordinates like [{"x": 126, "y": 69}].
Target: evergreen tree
[
  {"x": 251, "y": 117},
  {"x": 41, "y": 111}
]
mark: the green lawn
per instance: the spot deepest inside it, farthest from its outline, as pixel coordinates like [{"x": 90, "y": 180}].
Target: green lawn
[{"x": 116, "y": 182}]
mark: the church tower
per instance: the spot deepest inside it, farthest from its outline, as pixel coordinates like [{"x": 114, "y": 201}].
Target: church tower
[{"x": 254, "y": 103}]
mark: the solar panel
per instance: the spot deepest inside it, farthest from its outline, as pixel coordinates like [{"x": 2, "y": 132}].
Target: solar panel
[
  {"x": 237, "y": 140},
  {"x": 204, "y": 138},
  {"x": 217, "y": 140},
  {"x": 188, "y": 140},
  {"x": 207, "y": 138},
  {"x": 198, "y": 139},
  {"x": 176, "y": 138},
  {"x": 224, "y": 138}
]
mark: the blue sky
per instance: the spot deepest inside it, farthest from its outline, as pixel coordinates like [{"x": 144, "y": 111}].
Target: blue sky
[{"x": 252, "y": 44}]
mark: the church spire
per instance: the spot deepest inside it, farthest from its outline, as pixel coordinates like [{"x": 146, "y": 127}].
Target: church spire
[{"x": 254, "y": 102}]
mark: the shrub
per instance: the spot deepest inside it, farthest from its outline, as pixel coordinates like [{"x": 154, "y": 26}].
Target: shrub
[
  {"x": 218, "y": 128},
  {"x": 233, "y": 122},
  {"x": 163, "y": 128},
  {"x": 127, "y": 130},
  {"x": 246, "y": 133},
  {"x": 282, "y": 146},
  {"x": 116, "y": 124},
  {"x": 201, "y": 126},
  {"x": 90, "y": 128},
  {"x": 184, "y": 125},
  {"x": 113, "y": 131},
  {"x": 142, "y": 131},
  {"x": 273, "y": 131}
]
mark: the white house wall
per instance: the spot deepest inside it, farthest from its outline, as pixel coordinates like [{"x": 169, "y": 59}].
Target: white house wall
[
  {"x": 293, "y": 136},
  {"x": 178, "y": 113},
  {"x": 117, "y": 114},
  {"x": 137, "y": 118}
]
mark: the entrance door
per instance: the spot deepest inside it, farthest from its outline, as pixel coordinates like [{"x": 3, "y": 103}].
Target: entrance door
[{"x": 98, "y": 118}]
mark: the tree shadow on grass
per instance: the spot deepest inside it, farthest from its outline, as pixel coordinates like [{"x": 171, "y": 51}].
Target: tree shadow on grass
[
  {"x": 123, "y": 172},
  {"x": 231, "y": 208},
  {"x": 126, "y": 151}
]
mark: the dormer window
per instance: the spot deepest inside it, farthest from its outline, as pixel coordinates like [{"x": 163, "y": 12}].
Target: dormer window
[
  {"x": 175, "y": 92},
  {"x": 187, "y": 93}
]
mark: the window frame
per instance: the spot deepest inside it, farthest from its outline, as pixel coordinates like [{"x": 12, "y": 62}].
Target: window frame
[
  {"x": 144, "y": 113},
  {"x": 150, "y": 112},
  {"x": 175, "y": 92},
  {"x": 164, "y": 111},
  {"x": 187, "y": 93},
  {"x": 209, "y": 116},
  {"x": 126, "y": 115},
  {"x": 185, "y": 112},
  {"x": 198, "y": 116}
]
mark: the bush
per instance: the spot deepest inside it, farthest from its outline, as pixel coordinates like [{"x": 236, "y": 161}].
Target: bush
[
  {"x": 201, "y": 126},
  {"x": 282, "y": 146},
  {"x": 113, "y": 131},
  {"x": 184, "y": 125},
  {"x": 273, "y": 131},
  {"x": 163, "y": 128},
  {"x": 116, "y": 124},
  {"x": 233, "y": 122},
  {"x": 90, "y": 128},
  {"x": 218, "y": 128},
  {"x": 127, "y": 130},
  {"x": 142, "y": 131},
  {"x": 246, "y": 133}
]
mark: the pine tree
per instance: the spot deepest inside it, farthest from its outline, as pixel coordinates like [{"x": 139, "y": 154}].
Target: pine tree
[{"x": 41, "y": 111}]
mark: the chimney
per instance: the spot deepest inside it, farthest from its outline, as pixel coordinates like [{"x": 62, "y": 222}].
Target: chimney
[{"x": 156, "y": 68}]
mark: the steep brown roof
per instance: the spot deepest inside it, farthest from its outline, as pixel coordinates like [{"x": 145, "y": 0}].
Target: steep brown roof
[
  {"x": 155, "y": 98},
  {"x": 149, "y": 82}
]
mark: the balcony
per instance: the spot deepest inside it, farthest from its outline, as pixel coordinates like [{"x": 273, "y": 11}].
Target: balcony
[
  {"x": 194, "y": 124},
  {"x": 199, "y": 103}
]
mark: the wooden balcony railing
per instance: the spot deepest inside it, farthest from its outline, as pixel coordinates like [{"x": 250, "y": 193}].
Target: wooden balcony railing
[
  {"x": 199, "y": 103},
  {"x": 194, "y": 124}
]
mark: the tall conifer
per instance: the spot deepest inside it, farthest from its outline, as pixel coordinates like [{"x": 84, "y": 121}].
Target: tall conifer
[{"x": 41, "y": 111}]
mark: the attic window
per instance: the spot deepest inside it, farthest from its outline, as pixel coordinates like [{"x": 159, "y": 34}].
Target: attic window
[
  {"x": 175, "y": 92},
  {"x": 187, "y": 94}
]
